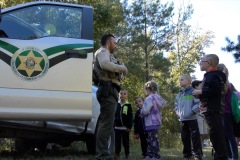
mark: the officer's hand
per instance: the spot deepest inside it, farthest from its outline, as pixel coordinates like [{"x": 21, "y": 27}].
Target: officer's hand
[{"x": 125, "y": 71}]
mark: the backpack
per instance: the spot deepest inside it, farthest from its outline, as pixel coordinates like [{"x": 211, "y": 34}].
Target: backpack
[{"x": 235, "y": 104}]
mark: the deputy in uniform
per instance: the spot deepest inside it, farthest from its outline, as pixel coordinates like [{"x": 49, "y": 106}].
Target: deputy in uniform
[{"x": 108, "y": 71}]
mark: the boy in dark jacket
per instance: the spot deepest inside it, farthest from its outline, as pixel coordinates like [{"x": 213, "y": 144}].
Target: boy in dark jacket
[
  {"x": 123, "y": 124},
  {"x": 212, "y": 97},
  {"x": 139, "y": 126}
]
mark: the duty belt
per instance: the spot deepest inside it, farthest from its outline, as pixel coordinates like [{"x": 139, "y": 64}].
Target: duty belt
[{"x": 114, "y": 85}]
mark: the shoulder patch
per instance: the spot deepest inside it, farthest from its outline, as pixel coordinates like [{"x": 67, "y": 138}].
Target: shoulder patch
[{"x": 103, "y": 50}]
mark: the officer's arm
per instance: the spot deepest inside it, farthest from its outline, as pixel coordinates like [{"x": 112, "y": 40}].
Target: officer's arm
[{"x": 106, "y": 64}]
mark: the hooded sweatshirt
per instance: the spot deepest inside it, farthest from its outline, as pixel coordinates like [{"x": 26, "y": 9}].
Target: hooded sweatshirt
[
  {"x": 186, "y": 106},
  {"x": 152, "y": 111},
  {"x": 213, "y": 93}
]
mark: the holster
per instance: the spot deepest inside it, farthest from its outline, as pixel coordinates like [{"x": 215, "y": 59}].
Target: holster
[
  {"x": 106, "y": 86},
  {"x": 117, "y": 87}
]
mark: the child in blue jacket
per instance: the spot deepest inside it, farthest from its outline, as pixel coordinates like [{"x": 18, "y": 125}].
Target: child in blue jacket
[{"x": 186, "y": 108}]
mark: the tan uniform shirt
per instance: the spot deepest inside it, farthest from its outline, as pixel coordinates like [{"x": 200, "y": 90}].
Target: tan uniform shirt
[{"x": 106, "y": 66}]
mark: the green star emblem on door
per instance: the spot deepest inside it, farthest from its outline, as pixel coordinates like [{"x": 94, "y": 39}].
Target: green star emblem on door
[{"x": 29, "y": 63}]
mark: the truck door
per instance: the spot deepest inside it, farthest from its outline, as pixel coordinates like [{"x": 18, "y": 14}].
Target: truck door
[{"x": 46, "y": 53}]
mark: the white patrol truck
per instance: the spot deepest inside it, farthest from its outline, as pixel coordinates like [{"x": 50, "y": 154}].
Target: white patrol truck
[{"x": 46, "y": 92}]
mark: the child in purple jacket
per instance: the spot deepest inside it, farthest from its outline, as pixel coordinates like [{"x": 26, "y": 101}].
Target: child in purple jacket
[{"x": 152, "y": 113}]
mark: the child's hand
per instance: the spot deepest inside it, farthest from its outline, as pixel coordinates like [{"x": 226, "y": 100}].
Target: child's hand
[
  {"x": 136, "y": 136},
  {"x": 196, "y": 93}
]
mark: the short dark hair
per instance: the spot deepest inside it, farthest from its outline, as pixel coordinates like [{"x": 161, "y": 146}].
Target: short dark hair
[
  {"x": 105, "y": 38},
  {"x": 196, "y": 83},
  {"x": 141, "y": 97}
]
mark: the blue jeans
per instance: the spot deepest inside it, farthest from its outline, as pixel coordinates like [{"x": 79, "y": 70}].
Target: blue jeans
[{"x": 232, "y": 148}]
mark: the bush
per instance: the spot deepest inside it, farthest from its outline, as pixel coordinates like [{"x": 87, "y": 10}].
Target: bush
[
  {"x": 170, "y": 130},
  {"x": 6, "y": 144}
]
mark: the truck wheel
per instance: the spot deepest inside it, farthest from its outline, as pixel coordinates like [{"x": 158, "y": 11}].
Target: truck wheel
[{"x": 91, "y": 143}]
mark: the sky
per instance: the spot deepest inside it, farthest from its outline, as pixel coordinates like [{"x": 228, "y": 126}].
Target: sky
[{"x": 221, "y": 17}]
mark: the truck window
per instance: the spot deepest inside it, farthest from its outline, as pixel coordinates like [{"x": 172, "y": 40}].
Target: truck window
[{"x": 41, "y": 21}]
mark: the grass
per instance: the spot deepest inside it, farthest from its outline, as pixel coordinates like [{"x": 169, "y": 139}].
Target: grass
[
  {"x": 176, "y": 154},
  {"x": 77, "y": 151}
]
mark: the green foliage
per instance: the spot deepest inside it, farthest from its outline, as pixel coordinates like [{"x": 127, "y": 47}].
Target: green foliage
[
  {"x": 8, "y": 3},
  {"x": 6, "y": 144},
  {"x": 233, "y": 48},
  {"x": 189, "y": 45},
  {"x": 147, "y": 32},
  {"x": 77, "y": 152},
  {"x": 170, "y": 130},
  {"x": 108, "y": 15},
  {"x": 145, "y": 35}
]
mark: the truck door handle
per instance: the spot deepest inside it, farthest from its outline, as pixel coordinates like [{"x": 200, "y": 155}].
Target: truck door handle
[
  {"x": 76, "y": 54},
  {"x": 70, "y": 53}
]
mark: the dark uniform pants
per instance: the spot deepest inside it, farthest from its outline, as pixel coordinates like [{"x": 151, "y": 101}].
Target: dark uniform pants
[{"x": 105, "y": 126}]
